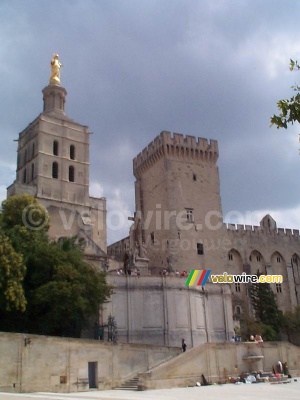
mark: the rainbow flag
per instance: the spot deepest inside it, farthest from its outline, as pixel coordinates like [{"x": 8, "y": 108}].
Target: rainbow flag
[{"x": 198, "y": 277}]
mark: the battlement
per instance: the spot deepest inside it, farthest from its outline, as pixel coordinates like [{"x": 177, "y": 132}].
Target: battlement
[
  {"x": 176, "y": 146},
  {"x": 256, "y": 230},
  {"x": 190, "y": 141}
]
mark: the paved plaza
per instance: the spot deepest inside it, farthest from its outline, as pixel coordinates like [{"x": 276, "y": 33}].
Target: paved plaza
[{"x": 260, "y": 391}]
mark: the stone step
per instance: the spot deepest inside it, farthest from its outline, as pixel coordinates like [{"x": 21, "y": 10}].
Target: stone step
[{"x": 130, "y": 384}]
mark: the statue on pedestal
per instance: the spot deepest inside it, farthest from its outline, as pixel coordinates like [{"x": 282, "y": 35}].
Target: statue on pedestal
[
  {"x": 138, "y": 251},
  {"x": 55, "y": 70},
  {"x": 126, "y": 260},
  {"x": 138, "y": 236},
  {"x": 143, "y": 250}
]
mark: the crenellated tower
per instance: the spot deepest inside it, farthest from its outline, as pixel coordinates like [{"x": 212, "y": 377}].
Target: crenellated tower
[{"x": 177, "y": 193}]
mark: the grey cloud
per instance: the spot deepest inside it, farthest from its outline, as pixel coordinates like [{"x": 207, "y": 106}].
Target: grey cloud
[{"x": 133, "y": 69}]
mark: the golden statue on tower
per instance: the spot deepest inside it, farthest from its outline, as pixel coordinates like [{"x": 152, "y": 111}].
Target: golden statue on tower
[{"x": 55, "y": 70}]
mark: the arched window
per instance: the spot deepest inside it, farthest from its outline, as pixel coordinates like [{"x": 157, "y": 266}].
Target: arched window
[
  {"x": 24, "y": 176},
  {"x": 72, "y": 152},
  {"x": 55, "y": 170},
  {"x": 25, "y": 157},
  {"x": 55, "y": 148},
  {"x": 71, "y": 173},
  {"x": 32, "y": 171},
  {"x": 33, "y": 150}
]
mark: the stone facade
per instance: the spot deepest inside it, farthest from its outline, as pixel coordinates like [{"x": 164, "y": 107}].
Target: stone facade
[
  {"x": 177, "y": 186},
  {"x": 178, "y": 201},
  {"x": 218, "y": 362},
  {"x": 32, "y": 363},
  {"x": 53, "y": 166},
  {"x": 162, "y": 311},
  {"x": 270, "y": 250},
  {"x": 178, "y": 225}
]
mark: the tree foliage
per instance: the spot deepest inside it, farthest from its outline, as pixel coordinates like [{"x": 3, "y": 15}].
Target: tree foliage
[
  {"x": 62, "y": 291},
  {"x": 250, "y": 326},
  {"x": 25, "y": 222},
  {"x": 291, "y": 322},
  {"x": 24, "y": 210},
  {"x": 289, "y": 108},
  {"x": 12, "y": 272},
  {"x": 264, "y": 305}
]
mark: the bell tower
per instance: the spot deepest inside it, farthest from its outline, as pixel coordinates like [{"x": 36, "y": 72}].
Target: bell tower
[{"x": 53, "y": 166}]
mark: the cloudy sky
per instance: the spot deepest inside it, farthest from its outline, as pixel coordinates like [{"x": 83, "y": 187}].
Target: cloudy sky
[{"x": 133, "y": 68}]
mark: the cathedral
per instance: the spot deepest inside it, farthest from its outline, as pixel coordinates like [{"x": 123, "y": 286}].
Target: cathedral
[{"x": 177, "y": 227}]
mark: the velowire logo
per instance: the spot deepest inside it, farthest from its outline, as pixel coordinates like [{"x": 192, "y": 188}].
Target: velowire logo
[{"x": 197, "y": 277}]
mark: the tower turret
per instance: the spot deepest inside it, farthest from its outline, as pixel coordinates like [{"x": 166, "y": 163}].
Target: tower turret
[{"x": 54, "y": 99}]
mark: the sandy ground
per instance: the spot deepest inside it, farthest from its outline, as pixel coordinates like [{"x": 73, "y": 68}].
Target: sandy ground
[{"x": 260, "y": 391}]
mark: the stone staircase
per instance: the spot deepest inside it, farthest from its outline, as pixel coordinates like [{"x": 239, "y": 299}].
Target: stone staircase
[{"x": 130, "y": 384}]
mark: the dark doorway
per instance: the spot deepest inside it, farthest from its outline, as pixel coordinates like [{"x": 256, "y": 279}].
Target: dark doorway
[{"x": 93, "y": 375}]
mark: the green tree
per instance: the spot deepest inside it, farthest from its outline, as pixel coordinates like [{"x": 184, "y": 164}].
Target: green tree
[
  {"x": 24, "y": 210},
  {"x": 291, "y": 323},
  {"x": 12, "y": 272},
  {"x": 62, "y": 291},
  {"x": 289, "y": 108},
  {"x": 250, "y": 326},
  {"x": 25, "y": 222},
  {"x": 264, "y": 305}
]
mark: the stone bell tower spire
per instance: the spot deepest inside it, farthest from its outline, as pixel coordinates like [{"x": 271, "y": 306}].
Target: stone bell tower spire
[
  {"x": 54, "y": 99},
  {"x": 53, "y": 166}
]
